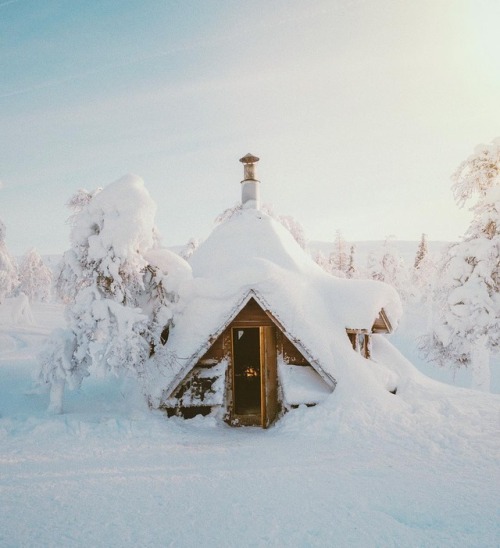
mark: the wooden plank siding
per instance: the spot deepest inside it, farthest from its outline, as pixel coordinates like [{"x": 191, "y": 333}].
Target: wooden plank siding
[
  {"x": 252, "y": 315},
  {"x": 382, "y": 323},
  {"x": 291, "y": 355},
  {"x": 215, "y": 353}
]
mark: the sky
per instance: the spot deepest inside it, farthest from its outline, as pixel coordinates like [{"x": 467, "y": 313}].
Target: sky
[{"x": 359, "y": 111}]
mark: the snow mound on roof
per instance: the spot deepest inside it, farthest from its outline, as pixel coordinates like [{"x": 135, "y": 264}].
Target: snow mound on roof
[
  {"x": 250, "y": 239},
  {"x": 178, "y": 270},
  {"x": 252, "y": 254},
  {"x": 254, "y": 251}
]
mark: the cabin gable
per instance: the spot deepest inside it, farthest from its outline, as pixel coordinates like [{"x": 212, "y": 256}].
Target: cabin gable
[
  {"x": 382, "y": 323},
  {"x": 238, "y": 374},
  {"x": 361, "y": 340}
]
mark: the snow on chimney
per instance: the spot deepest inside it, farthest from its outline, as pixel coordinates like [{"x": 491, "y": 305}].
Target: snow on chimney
[{"x": 250, "y": 195}]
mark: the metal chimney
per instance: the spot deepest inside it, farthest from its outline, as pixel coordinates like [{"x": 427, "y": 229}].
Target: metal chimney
[{"x": 250, "y": 195}]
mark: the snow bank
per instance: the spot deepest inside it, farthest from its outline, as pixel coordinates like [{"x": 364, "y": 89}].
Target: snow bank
[
  {"x": 301, "y": 385},
  {"x": 428, "y": 415},
  {"x": 363, "y": 468},
  {"x": 7, "y": 344},
  {"x": 16, "y": 311}
]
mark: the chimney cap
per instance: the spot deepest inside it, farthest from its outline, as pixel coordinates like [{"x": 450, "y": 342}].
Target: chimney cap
[{"x": 249, "y": 159}]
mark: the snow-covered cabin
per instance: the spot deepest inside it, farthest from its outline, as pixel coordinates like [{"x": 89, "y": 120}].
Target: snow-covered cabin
[{"x": 261, "y": 327}]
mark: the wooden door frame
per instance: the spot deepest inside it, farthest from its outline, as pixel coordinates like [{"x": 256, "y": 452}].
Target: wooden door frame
[{"x": 263, "y": 373}]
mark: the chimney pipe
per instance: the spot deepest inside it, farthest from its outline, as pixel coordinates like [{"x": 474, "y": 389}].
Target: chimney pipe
[{"x": 250, "y": 195}]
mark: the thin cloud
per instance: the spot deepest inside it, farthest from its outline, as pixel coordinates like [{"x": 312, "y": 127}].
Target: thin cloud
[{"x": 237, "y": 34}]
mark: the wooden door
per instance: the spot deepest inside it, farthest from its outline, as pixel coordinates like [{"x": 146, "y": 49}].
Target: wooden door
[
  {"x": 247, "y": 372},
  {"x": 270, "y": 403}
]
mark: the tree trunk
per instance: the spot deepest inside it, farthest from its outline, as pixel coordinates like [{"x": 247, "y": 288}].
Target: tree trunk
[
  {"x": 56, "y": 397},
  {"x": 480, "y": 365}
]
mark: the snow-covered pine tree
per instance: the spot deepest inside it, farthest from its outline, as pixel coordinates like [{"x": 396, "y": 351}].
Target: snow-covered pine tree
[
  {"x": 66, "y": 282},
  {"x": 388, "y": 266},
  {"x": 467, "y": 327},
  {"x": 422, "y": 274},
  {"x": 80, "y": 199},
  {"x": 321, "y": 259},
  {"x": 422, "y": 251},
  {"x": 121, "y": 307},
  {"x": 189, "y": 248},
  {"x": 478, "y": 173},
  {"x": 352, "y": 267},
  {"x": 374, "y": 266},
  {"x": 8, "y": 269},
  {"x": 35, "y": 277},
  {"x": 339, "y": 257}
]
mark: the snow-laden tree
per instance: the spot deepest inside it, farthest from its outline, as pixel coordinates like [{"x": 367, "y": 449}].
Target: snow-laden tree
[
  {"x": 322, "y": 260},
  {"x": 339, "y": 256},
  {"x": 422, "y": 251},
  {"x": 467, "y": 326},
  {"x": 189, "y": 248},
  {"x": 422, "y": 274},
  {"x": 80, "y": 199},
  {"x": 35, "y": 277},
  {"x": 121, "y": 305},
  {"x": 374, "y": 266},
  {"x": 66, "y": 282},
  {"x": 339, "y": 262},
  {"x": 8, "y": 269},
  {"x": 352, "y": 267},
  {"x": 386, "y": 265},
  {"x": 478, "y": 173}
]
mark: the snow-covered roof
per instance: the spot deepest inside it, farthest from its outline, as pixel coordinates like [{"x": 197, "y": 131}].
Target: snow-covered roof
[{"x": 252, "y": 253}]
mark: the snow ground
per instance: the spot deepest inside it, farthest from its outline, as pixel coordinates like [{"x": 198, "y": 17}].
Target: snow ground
[{"x": 420, "y": 468}]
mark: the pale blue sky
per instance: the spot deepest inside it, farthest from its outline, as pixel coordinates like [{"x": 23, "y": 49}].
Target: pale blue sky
[{"x": 359, "y": 110}]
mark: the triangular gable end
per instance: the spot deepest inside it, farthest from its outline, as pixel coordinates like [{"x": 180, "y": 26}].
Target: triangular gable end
[
  {"x": 259, "y": 310},
  {"x": 382, "y": 323},
  {"x": 210, "y": 379},
  {"x": 294, "y": 341}
]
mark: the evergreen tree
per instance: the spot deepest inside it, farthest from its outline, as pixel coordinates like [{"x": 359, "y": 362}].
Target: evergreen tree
[
  {"x": 322, "y": 261},
  {"x": 387, "y": 266},
  {"x": 67, "y": 283},
  {"x": 8, "y": 269},
  {"x": 422, "y": 251},
  {"x": 121, "y": 308},
  {"x": 478, "y": 173},
  {"x": 35, "y": 278},
  {"x": 189, "y": 248},
  {"x": 352, "y": 269},
  {"x": 339, "y": 257},
  {"x": 374, "y": 266},
  {"x": 423, "y": 274},
  {"x": 467, "y": 327}
]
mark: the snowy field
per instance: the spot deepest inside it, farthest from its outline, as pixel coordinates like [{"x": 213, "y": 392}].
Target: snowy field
[{"x": 420, "y": 468}]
